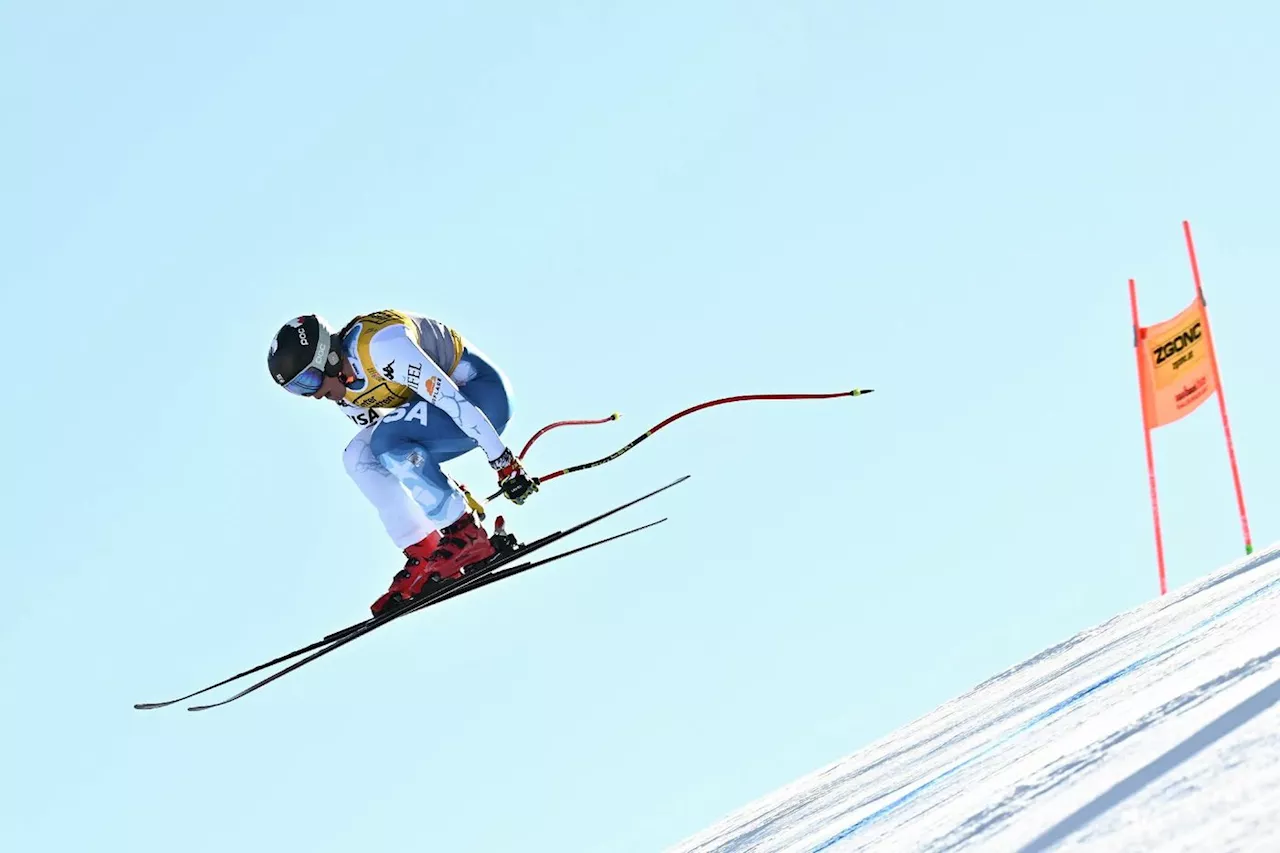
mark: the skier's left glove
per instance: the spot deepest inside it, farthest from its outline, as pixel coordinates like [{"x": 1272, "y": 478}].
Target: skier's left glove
[{"x": 512, "y": 479}]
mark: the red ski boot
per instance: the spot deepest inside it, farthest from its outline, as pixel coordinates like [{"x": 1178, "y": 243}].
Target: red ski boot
[
  {"x": 439, "y": 557},
  {"x": 415, "y": 555}
]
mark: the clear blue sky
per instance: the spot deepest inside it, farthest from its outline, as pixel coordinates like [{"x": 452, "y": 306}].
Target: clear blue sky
[{"x": 631, "y": 207}]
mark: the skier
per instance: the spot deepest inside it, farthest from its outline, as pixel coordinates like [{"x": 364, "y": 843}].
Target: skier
[{"x": 422, "y": 395}]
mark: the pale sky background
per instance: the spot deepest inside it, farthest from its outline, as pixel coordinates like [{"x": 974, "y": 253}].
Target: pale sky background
[{"x": 631, "y": 207}]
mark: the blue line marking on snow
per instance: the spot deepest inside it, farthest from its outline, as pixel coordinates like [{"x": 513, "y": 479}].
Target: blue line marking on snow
[{"x": 1170, "y": 645}]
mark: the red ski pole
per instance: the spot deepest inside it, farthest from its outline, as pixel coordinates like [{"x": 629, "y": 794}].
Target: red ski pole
[
  {"x": 857, "y": 392},
  {"x": 478, "y": 508},
  {"x": 537, "y": 435}
]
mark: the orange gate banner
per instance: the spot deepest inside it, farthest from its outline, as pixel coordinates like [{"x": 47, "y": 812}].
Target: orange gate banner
[
  {"x": 1176, "y": 368},
  {"x": 1177, "y": 371}
]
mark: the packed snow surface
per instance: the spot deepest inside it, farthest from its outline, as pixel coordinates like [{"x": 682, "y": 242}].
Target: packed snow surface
[{"x": 1158, "y": 730}]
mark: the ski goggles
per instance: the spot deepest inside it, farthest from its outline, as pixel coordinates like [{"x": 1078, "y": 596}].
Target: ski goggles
[{"x": 307, "y": 382}]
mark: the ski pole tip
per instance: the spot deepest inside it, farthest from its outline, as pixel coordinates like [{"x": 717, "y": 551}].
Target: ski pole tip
[
  {"x": 614, "y": 416},
  {"x": 858, "y": 392}
]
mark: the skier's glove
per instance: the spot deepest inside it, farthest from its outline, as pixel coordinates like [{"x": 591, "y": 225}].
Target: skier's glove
[{"x": 514, "y": 482}]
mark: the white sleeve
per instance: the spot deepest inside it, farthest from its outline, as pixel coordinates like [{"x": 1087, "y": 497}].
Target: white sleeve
[{"x": 410, "y": 366}]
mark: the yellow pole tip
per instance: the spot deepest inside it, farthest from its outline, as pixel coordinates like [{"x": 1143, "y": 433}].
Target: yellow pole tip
[{"x": 614, "y": 416}]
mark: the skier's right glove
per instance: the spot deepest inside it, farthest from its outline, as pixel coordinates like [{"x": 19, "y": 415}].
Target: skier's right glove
[{"x": 512, "y": 479}]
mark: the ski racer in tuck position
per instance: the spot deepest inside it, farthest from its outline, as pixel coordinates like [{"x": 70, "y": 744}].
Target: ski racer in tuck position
[{"x": 422, "y": 395}]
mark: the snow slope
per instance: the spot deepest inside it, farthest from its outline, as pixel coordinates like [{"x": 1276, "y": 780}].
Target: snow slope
[{"x": 1158, "y": 730}]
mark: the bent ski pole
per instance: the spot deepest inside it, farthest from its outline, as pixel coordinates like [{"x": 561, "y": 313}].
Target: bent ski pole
[
  {"x": 857, "y": 392},
  {"x": 478, "y": 508},
  {"x": 537, "y": 435}
]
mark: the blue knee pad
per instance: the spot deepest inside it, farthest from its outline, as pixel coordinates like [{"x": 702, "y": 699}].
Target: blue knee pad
[{"x": 413, "y": 465}]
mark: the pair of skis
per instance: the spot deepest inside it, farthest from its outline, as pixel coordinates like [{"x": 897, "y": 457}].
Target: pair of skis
[{"x": 497, "y": 569}]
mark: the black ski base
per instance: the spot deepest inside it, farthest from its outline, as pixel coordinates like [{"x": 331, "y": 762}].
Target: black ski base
[{"x": 496, "y": 568}]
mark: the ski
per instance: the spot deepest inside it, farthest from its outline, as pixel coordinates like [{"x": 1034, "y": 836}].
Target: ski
[
  {"x": 495, "y": 570},
  {"x": 478, "y": 581}
]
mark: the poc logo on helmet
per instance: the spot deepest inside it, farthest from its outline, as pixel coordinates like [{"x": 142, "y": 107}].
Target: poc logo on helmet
[{"x": 297, "y": 323}]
